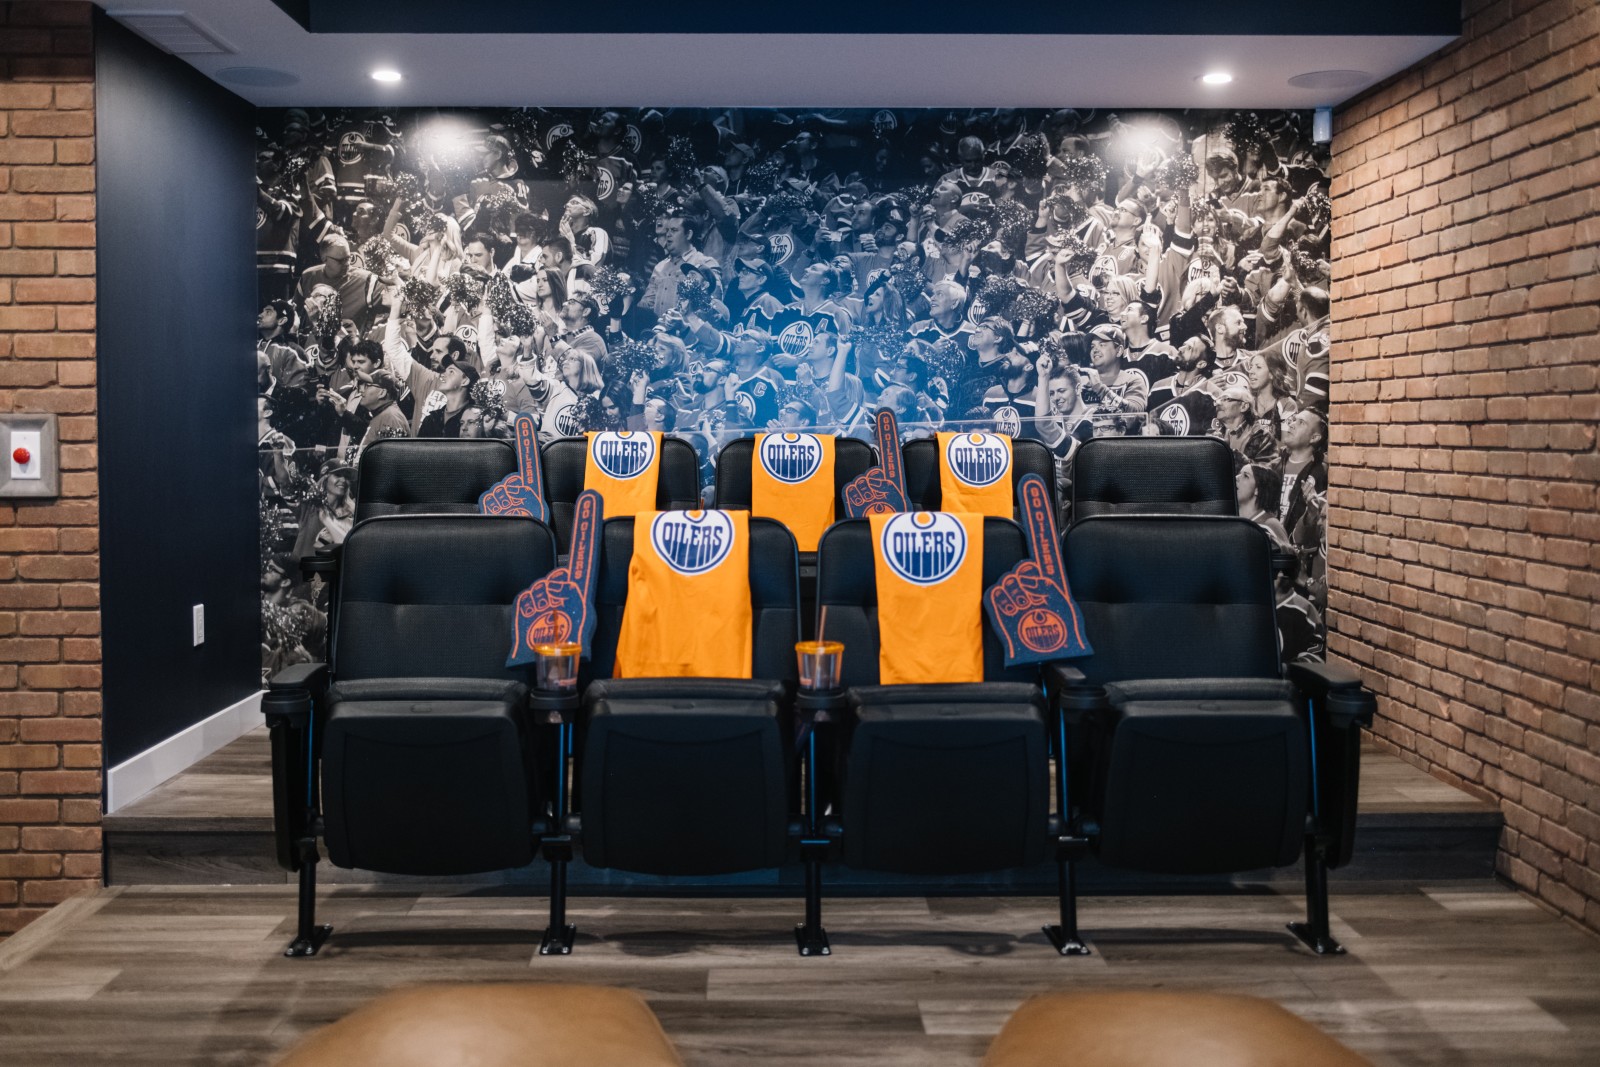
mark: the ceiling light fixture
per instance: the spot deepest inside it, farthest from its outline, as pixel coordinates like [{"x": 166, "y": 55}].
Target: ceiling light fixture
[
  {"x": 386, "y": 75},
  {"x": 1217, "y": 77}
]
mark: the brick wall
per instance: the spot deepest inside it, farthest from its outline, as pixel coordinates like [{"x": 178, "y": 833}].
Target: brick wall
[
  {"x": 49, "y": 562},
  {"x": 1464, "y": 539}
]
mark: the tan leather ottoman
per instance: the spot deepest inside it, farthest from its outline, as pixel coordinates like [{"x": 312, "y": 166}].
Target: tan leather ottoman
[
  {"x": 493, "y": 1026},
  {"x": 1161, "y": 1030}
]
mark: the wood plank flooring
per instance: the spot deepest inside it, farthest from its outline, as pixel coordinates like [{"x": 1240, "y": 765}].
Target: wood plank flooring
[{"x": 1465, "y": 975}]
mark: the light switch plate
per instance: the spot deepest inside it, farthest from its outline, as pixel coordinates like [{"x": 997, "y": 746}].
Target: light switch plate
[{"x": 40, "y": 478}]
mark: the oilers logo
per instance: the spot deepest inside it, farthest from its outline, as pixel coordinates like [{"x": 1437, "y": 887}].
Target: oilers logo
[
  {"x": 1042, "y": 630},
  {"x": 791, "y": 457},
  {"x": 624, "y": 454},
  {"x": 978, "y": 459},
  {"x": 261, "y": 219},
  {"x": 1175, "y": 416},
  {"x": 692, "y": 542},
  {"x": 351, "y": 149},
  {"x": 557, "y": 133},
  {"x": 924, "y": 547},
  {"x": 796, "y": 338},
  {"x": 1008, "y": 420},
  {"x": 782, "y": 246},
  {"x": 607, "y": 184}
]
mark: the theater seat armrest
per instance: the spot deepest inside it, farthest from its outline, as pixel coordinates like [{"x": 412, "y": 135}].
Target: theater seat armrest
[
  {"x": 324, "y": 563},
  {"x": 814, "y": 706},
  {"x": 1336, "y": 692},
  {"x": 1312, "y": 678},
  {"x": 1071, "y": 693},
  {"x": 292, "y": 692}
]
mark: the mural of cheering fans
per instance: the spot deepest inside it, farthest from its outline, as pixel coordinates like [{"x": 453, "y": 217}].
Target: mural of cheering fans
[{"x": 1056, "y": 275}]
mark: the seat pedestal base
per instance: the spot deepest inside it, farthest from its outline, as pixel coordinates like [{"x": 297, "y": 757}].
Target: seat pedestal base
[
  {"x": 307, "y": 944},
  {"x": 811, "y": 941},
  {"x": 557, "y": 940},
  {"x": 1066, "y": 945},
  {"x": 1320, "y": 943}
]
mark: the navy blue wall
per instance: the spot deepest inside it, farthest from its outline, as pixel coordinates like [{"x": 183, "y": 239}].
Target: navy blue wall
[{"x": 177, "y": 392}]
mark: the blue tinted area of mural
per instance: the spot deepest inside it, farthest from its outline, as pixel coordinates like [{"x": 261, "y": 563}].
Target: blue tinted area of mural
[{"x": 717, "y": 273}]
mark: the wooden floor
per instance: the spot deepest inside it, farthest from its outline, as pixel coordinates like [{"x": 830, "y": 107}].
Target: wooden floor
[{"x": 146, "y": 975}]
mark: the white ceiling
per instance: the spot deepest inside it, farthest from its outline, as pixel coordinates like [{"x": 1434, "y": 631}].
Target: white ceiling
[{"x": 814, "y": 70}]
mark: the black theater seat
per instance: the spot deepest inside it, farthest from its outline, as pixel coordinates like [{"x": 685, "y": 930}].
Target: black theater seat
[
  {"x": 683, "y": 776},
  {"x": 677, "y": 488},
  {"x": 412, "y": 750},
  {"x": 430, "y": 476},
  {"x": 923, "y": 492},
  {"x": 1192, "y": 752},
  {"x": 1153, "y": 476},
  {"x": 933, "y": 779},
  {"x": 851, "y": 459},
  {"x": 416, "y": 476}
]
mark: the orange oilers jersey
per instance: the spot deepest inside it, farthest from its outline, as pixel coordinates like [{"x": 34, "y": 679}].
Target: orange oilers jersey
[
  {"x": 791, "y": 480},
  {"x": 929, "y": 567},
  {"x": 688, "y": 610},
  {"x": 624, "y": 467},
  {"x": 975, "y": 474}
]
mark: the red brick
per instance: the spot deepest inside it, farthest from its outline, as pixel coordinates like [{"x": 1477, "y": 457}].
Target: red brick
[
  {"x": 52, "y": 179},
  {"x": 44, "y": 783},
  {"x": 60, "y": 235},
  {"x": 57, "y": 890},
  {"x": 58, "y": 839},
  {"x": 52, "y": 123}
]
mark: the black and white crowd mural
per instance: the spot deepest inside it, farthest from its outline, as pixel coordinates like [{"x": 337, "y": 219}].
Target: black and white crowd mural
[{"x": 716, "y": 273}]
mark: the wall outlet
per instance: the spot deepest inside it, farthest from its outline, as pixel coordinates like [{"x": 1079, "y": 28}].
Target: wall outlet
[{"x": 199, "y": 625}]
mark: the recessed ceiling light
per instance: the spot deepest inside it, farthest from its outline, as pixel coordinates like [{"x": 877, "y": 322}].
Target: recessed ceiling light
[
  {"x": 386, "y": 75},
  {"x": 1217, "y": 77}
]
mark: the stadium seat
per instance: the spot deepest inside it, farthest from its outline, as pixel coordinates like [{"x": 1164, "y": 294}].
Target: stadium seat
[
  {"x": 922, "y": 470},
  {"x": 852, "y": 458},
  {"x": 677, "y": 489},
  {"x": 1191, "y": 750},
  {"x": 681, "y": 776},
  {"x": 411, "y": 750},
  {"x": 430, "y": 476},
  {"x": 417, "y": 476},
  {"x": 1152, "y": 476},
  {"x": 932, "y": 779}
]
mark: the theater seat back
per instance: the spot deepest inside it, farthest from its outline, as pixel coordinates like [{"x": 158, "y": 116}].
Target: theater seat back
[
  {"x": 847, "y": 587},
  {"x": 432, "y": 596},
  {"x": 677, "y": 488},
  {"x": 1152, "y": 476},
  {"x": 923, "y": 492},
  {"x": 429, "y": 476},
  {"x": 774, "y": 598},
  {"x": 851, "y": 459},
  {"x": 1197, "y": 589}
]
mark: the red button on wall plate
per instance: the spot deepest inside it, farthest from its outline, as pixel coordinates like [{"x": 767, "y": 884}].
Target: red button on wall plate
[{"x": 21, "y": 456}]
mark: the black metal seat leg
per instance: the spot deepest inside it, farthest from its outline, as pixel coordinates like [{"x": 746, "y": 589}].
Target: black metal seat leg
[
  {"x": 309, "y": 937},
  {"x": 1065, "y": 936},
  {"x": 1315, "y": 933},
  {"x": 560, "y": 934},
  {"x": 809, "y": 937}
]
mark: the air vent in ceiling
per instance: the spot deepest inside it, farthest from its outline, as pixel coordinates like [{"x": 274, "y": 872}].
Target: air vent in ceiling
[{"x": 173, "y": 31}]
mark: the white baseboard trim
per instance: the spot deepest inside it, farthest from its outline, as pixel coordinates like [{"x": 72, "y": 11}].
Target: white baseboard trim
[{"x": 133, "y": 778}]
